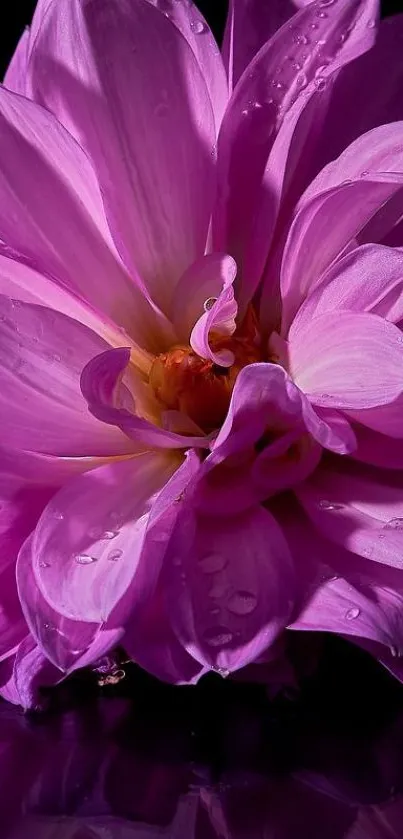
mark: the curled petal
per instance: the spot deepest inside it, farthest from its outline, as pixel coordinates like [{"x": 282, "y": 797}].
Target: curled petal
[
  {"x": 202, "y": 281},
  {"x": 219, "y": 319},
  {"x": 16, "y": 74}
]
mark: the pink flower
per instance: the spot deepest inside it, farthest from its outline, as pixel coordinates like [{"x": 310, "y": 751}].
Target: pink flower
[{"x": 201, "y": 363}]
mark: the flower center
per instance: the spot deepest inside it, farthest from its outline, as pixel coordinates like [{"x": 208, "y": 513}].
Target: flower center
[{"x": 199, "y": 388}]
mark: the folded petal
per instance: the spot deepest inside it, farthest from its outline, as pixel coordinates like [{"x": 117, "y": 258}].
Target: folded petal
[
  {"x": 367, "y": 279},
  {"x": 353, "y": 361},
  {"x": 31, "y": 672},
  {"x": 186, "y": 16},
  {"x": 219, "y": 318},
  {"x": 93, "y": 67},
  {"x": 85, "y": 561},
  {"x": 229, "y": 585},
  {"x": 256, "y": 157},
  {"x": 249, "y": 26},
  {"x": 16, "y": 74},
  {"x": 41, "y": 407},
  {"x": 109, "y": 400},
  {"x": 201, "y": 283},
  {"x": 359, "y": 509},
  {"x": 322, "y": 230}
]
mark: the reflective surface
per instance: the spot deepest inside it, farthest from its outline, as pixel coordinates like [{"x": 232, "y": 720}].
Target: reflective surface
[{"x": 139, "y": 759}]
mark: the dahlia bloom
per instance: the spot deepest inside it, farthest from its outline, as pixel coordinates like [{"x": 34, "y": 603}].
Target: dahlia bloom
[{"x": 201, "y": 356}]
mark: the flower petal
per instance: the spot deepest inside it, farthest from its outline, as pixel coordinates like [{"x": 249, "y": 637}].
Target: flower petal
[
  {"x": 377, "y": 449},
  {"x": 31, "y": 672},
  {"x": 186, "y": 16},
  {"x": 358, "y": 508},
  {"x": 353, "y": 361},
  {"x": 229, "y": 585},
  {"x": 93, "y": 67},
  {"x": 85, "y": 561},
  {"x": 108, "y": 401},
  {"x": 51, "y": 211},
  {"x": 201, "y": 282},
  {"x": 255, "y": 158},
  {"x": 249, "y": 26},
  {"x": 220, "y": 319},
  {"x": 16, "y": 74},
  {"x": 41, "y": 407}
]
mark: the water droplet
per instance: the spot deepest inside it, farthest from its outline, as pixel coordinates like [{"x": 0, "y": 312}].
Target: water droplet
[
  {"x": 58, "y": 515},
  {"x": 85, "y": 559},
  {"x": 371, "y": 24},
  {"x": 218, "y": 636},
  {"x": 56, "y": 357},
  {"x": 44, "y": 564},
  {"x": 394, "y": 524},
  {"x": 333, "y": 578},
  {"x": 212, "y": 563},
  {"x": 302, "y": 80},
  {"x": 113, "y": 556},
  {"x": 394, "y": 651},
  {"x": 299, "y": 38},
  {"x": 197, "y": 26},
  {"x": 110, "y": 534},
  {"x": 352, "y": 614},
  {"x": 221, "y": 671},
  {"x": 49, "y": 626},
  {"x": 279, "y": 85},
  {"x": 242, "y": 603},
  {"x": 209, "y": 303},
  {"x": 320, "y": 83},
  {"x": 324, "y": 3},
  {"x": 364, "y": 173},
  {"x": 322, "y": 15},
  {"x": 330, "y": 505},
  {"x": 257, "y": 105},
  {"x": 296, "y": 65}
]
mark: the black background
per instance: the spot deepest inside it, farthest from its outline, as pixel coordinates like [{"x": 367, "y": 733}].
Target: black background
[{"x": 214, "y": 11}]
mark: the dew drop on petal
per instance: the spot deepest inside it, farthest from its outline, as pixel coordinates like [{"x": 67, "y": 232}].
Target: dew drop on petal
[
  {"x": 313, "y": 25},
  {"x": 322, "y": 15},
  {"x": 113, "y": 556},
  {"x": 394, "y": 651},
  {"x": 352, "y": 614},
  {"x": 324, "y": 3},
  {"x": 58, "y": 515},
  {"x": 371, "y": 24},
  {"x": 320, "y": 83},
  {"x": 209, "y": 303},
  {"x": 217, "y": 636},
  {"x": 221, "y": 671},
  {"x": 44, "y": 564},
  {"x": 110, "y": 534},
  {"x": 394, "y": 524},
  {"x": 330, "y": 505},
  {"x": 85, "y": 559},
  {"x": 242, "y": 603},
  {"x": 197, "y": 26},
  {"x": 212, "y": 563}
]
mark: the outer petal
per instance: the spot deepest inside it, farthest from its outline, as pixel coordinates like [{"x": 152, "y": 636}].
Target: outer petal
[
  {"x": 323, "y": 229},
  {"x": 27, "y": 482},
  {"x": 351, "y": 361},
  {"x": 93, "y": 67},
  {"x": 367, "y": 279},
  {"x": 16, "y": 74},
  {"x": 85, "y": 561},
  {"x": 51, "y": 210},
  {"x": 111, "y": 403},
  {"x": 254, "y": 169},
  {"x": 362, "y": 510},
  {"x": 201, "y": 281},
  {"x": 229, "y": 585},
  {"x": 250, "y": 24},
  {"x": 41, "y": 408},
  {"x": 68, "y": 644},
  {"x": 377, "y": 449},
  {"x": 192, "y": 25},
  {"x": 31, "y": 672}
]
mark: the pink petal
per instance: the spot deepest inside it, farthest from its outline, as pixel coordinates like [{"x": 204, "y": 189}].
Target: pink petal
[
  {"x": 85, "y": 561},
  {"x": 31, "y": 672},
  {"x": 360, "y": 509},
  {"x": 186, "y": 16},
  {"x": 220, "y": 319},
  {"x": 109, "y": 402},
  {"x": 15, "y": 77},
  {"x": 254, "y": 166},
  {"x": 43, "y": 168},
  {"x": 151, "y": 643},
  {"x": 201, "y": 282},
  {"x": 353, "y": 361},
  {"x": 367, "y": 279},
  {"x": 285, "y": 463},
  {"x": 250, "y": 24},
  {"x": 93, "y": 67},
  {"x": 387, "y": 419},
  {"x": 378, "y": 150},
  {"x": 323, "y": 229},
  {"x": 41, "y": 407},
  {"x": 229, "y": 585},
  {"x": 377, "y": 449}
]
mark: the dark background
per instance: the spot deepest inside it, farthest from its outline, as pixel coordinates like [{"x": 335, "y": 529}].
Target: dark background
[{"x": 214, "y": 11}]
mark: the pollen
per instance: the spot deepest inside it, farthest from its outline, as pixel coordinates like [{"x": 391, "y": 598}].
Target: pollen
[{"x": 199, "y": 388}]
